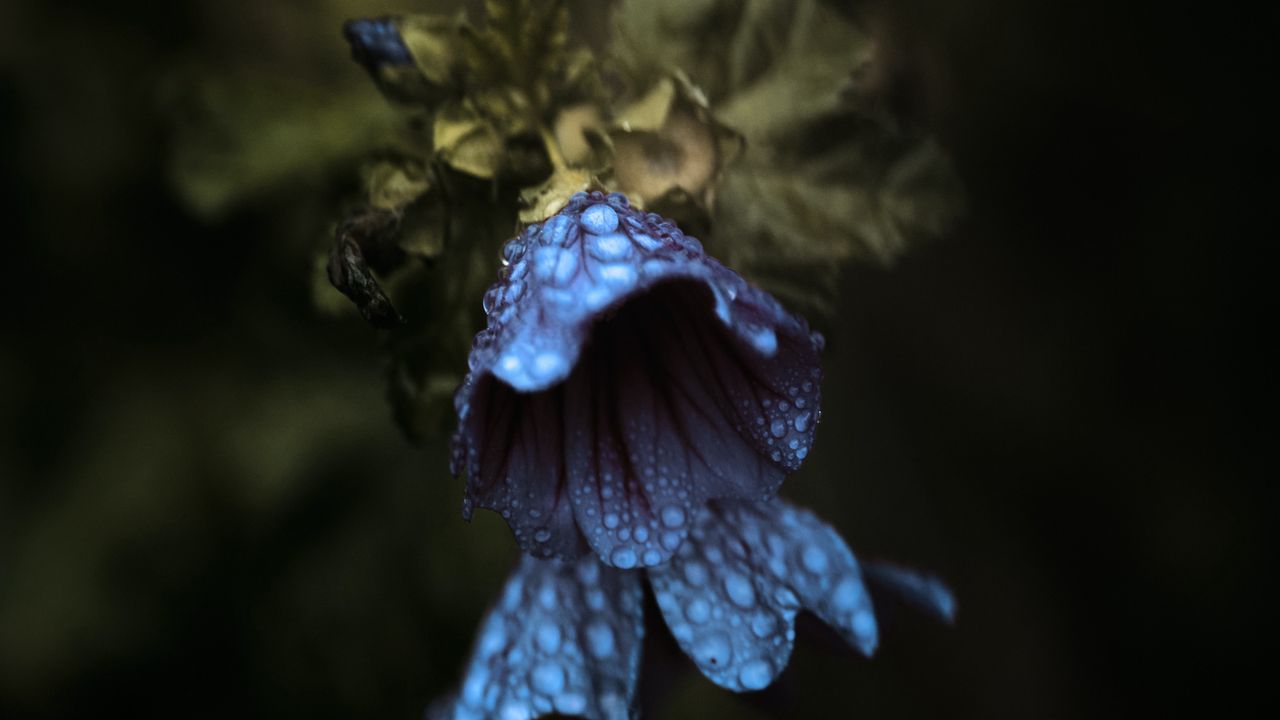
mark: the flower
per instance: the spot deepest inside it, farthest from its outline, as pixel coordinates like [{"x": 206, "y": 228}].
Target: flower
[
  {"x": 625, "y": 379},
  {"x": 566, "y": 635},
  {"x": 633, "y": 397}
]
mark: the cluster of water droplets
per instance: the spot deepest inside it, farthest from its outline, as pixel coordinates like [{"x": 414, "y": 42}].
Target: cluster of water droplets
[
  {"x": 730, "y": 596},
  {"x": 559, "y": 278},
  {"x": 623, "y": 523},
  {"x": 565, "y": 637},
  {"x": 784, "y": 425},
  {"x": 559, "y": 275}
]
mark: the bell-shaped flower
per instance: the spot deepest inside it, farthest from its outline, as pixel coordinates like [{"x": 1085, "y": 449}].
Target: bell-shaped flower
[{"x": 625, "y": 379}]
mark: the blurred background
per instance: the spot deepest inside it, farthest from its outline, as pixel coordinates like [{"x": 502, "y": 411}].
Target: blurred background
[{"x": 206, "y": 508}]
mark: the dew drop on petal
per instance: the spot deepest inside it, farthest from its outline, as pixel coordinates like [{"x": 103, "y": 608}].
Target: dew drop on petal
[
  {"x": 814, "y": 560},
  {"x": 739, "y": 590},
  {"x": 623, "y": 558},
  {"x": 548, "y": 678},
  {"x": 755, "y": 674},
  {"x": 599, "y": 219},
  {"x": 847, "y": 594},
  {"x": 549, "y": 637},
  {"x": 695, "y": 573},
  {"x": 698, "y": 611},
  {"x": 600, "y": 640},
  {"x": 672, "y": 516},
  {"x": 778, "y": 428}
]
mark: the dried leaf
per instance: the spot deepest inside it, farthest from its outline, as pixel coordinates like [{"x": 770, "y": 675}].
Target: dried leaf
[
  {"x": 541, "y": 202},
  {"x": 823, "y": 180},
  {"x": 433, "y": 41},
  {"x": 668, "y": 142},
  {"x": 394, "y": 184},
  {"x": 466, "y": 141}
]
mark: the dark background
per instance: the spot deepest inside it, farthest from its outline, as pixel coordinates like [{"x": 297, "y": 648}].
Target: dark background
[{"x": 205, "y": 508}]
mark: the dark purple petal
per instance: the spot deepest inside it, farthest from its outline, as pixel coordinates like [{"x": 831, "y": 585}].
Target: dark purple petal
[
  {"x": 730, "y": 596},
  {"x": 629, "y": 375},
  {"x": 565, "y": 637}
]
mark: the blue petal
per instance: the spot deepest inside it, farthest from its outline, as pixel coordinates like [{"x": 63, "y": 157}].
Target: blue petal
[
  {"x": 924, "y": 591},
  {"x": 564, "y": 638},
  {"x": 627, "y": 372},
  {"x": 730, "y": 596}
]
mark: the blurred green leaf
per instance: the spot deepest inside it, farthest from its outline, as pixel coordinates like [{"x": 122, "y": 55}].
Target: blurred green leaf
[{"x": 237, "y": 138}]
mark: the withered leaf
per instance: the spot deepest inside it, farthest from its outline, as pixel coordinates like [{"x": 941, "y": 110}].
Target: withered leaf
[
  {"x": 823, "y": 180},
  {"x": 467, "y": 141}
]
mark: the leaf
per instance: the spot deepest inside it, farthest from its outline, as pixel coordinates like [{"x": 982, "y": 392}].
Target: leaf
[
  {"x": 466, "y": 141},
  {"x": 433, "y": 41},
  {"x": 668, "y": 142},
  {"x": 393, "y": 185},
  {"x": 824, "y": 179},
  {"x": 522, "y": 45}
]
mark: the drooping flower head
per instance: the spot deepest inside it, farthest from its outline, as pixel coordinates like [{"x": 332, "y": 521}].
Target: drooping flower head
[
  {"x": 625, "y": 379},
  {"x": 634, "y": 397}
]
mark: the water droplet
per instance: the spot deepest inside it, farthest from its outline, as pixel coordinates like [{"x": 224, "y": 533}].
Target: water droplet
[
  {"x": 610, "y": 248},
  {"x": 641, "y": 533},
  {"x": 672, "y": 516},
  {"x": 623, "y": 558},
  {"x": 778, "y": 428},
  {"x": 801, "y": 422},
  {"x": 755, "y": 675},
  {"x": 695, "y": 574},
  {"x": 698, "y": 611},
  {"x": 599, "y": 219},
  {"x": 652, "y": 557},
  {"x": 739, "y": 590},
  {"x": 611, "y": 520},
  {"x": 542, "y": 535},
  {"x": 763, "y": 625},
  {"x": 548, "y": 678},
  {"x": 600, "y": 640},
  {"x": 847, "y": 594},
  {"x": 814, "y": 560},
  {"x": 549, "y": 637},
  {"x": 490, "y": 299}
]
